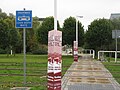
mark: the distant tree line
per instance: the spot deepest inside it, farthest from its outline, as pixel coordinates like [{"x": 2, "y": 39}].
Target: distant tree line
[
  {"x": 99, "y": 34},
  {"x": 97, "y": 37}
]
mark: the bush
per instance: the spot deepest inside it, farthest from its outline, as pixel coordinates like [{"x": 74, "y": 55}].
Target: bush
[
  {"x": 42, "y": 49},
  {"x": 39, "y": 51},
  {"x": 108, "y": 59},
  {"x": 2, "y": 51}
]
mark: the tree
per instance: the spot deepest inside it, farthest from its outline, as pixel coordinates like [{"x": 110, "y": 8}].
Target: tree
[
  {"x": 9, "y": 36},
  {"x": 13, "y": 36},
  {"x": 42, "y": 33},
  {"x": 3, "y": 15},
  {"x": 0, "y": 10},
  {"x": 4, "y": 41},
  {"x": 116, "y": 24},
  {"x": 69, "y": 31},
  {"x": 80, "y": 34},
  {"x": 14, "y": 39},
  {"x": 31, "y": 35},
  {"x": 10, "y": 23},
  {"x": 99, "y": 34}
]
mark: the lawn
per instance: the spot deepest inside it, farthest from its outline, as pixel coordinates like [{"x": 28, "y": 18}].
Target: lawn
[
  {"x": 11, "y": 71},
  {"x": 114, "y": 68}
]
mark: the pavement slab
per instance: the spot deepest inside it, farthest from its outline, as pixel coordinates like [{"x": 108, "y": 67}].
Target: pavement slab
[{"x": 88, "y": 74}]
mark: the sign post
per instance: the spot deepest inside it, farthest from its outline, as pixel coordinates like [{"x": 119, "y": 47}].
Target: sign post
[
  {"x": 24, "y": 20},
  {"x": 116, "y": 34}
]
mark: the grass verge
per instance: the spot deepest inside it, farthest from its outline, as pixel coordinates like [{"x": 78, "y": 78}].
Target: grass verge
[
  {"x": 114, "y": 69},
  {"x": 11, "y": 71}
]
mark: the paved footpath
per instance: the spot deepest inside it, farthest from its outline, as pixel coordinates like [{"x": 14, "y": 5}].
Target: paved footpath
[{"x": 88, "y": 74}]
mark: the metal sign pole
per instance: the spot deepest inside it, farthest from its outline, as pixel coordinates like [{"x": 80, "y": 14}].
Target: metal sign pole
[
  {"x": 24, "y": 50},
  {"x": 24, "y": 45},
  {"x": 116, "y": 46},
  {"x": 24, "y": 20}
]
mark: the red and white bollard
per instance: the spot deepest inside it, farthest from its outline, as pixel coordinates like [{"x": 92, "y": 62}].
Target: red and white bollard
[
  {"x": 75, "y": 51},
  {"x": 54, "y": 59}
]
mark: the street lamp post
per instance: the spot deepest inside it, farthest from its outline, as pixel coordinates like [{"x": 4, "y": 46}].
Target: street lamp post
[
  {"x": 77, "y": 27},
  {"x": 55, "y": 14},
  {"x": 76, "y": 42}
]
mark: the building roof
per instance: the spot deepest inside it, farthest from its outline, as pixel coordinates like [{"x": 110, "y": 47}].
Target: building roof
[
  {"x": 41, "y": 19},
  {"x": 115, "y": 16}
]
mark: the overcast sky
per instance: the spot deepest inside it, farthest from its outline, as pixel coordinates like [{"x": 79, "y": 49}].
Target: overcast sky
[{"x": 89, "y": 9}]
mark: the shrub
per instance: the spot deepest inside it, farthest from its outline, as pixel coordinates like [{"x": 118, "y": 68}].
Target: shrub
[
  {"x": 2, "y": 51},
  {"x": 42, "y": 49}
]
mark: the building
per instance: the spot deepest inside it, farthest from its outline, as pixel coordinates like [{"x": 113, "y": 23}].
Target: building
[{"x": 115, "y": 16}]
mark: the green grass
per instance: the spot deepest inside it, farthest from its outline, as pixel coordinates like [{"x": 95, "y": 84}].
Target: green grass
[
  {"x": 19, "y": 58},
  {"x": 114, "y": 68},
  {"x": 36, "y": 64},
  {"x": 110, "y": 59}
]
